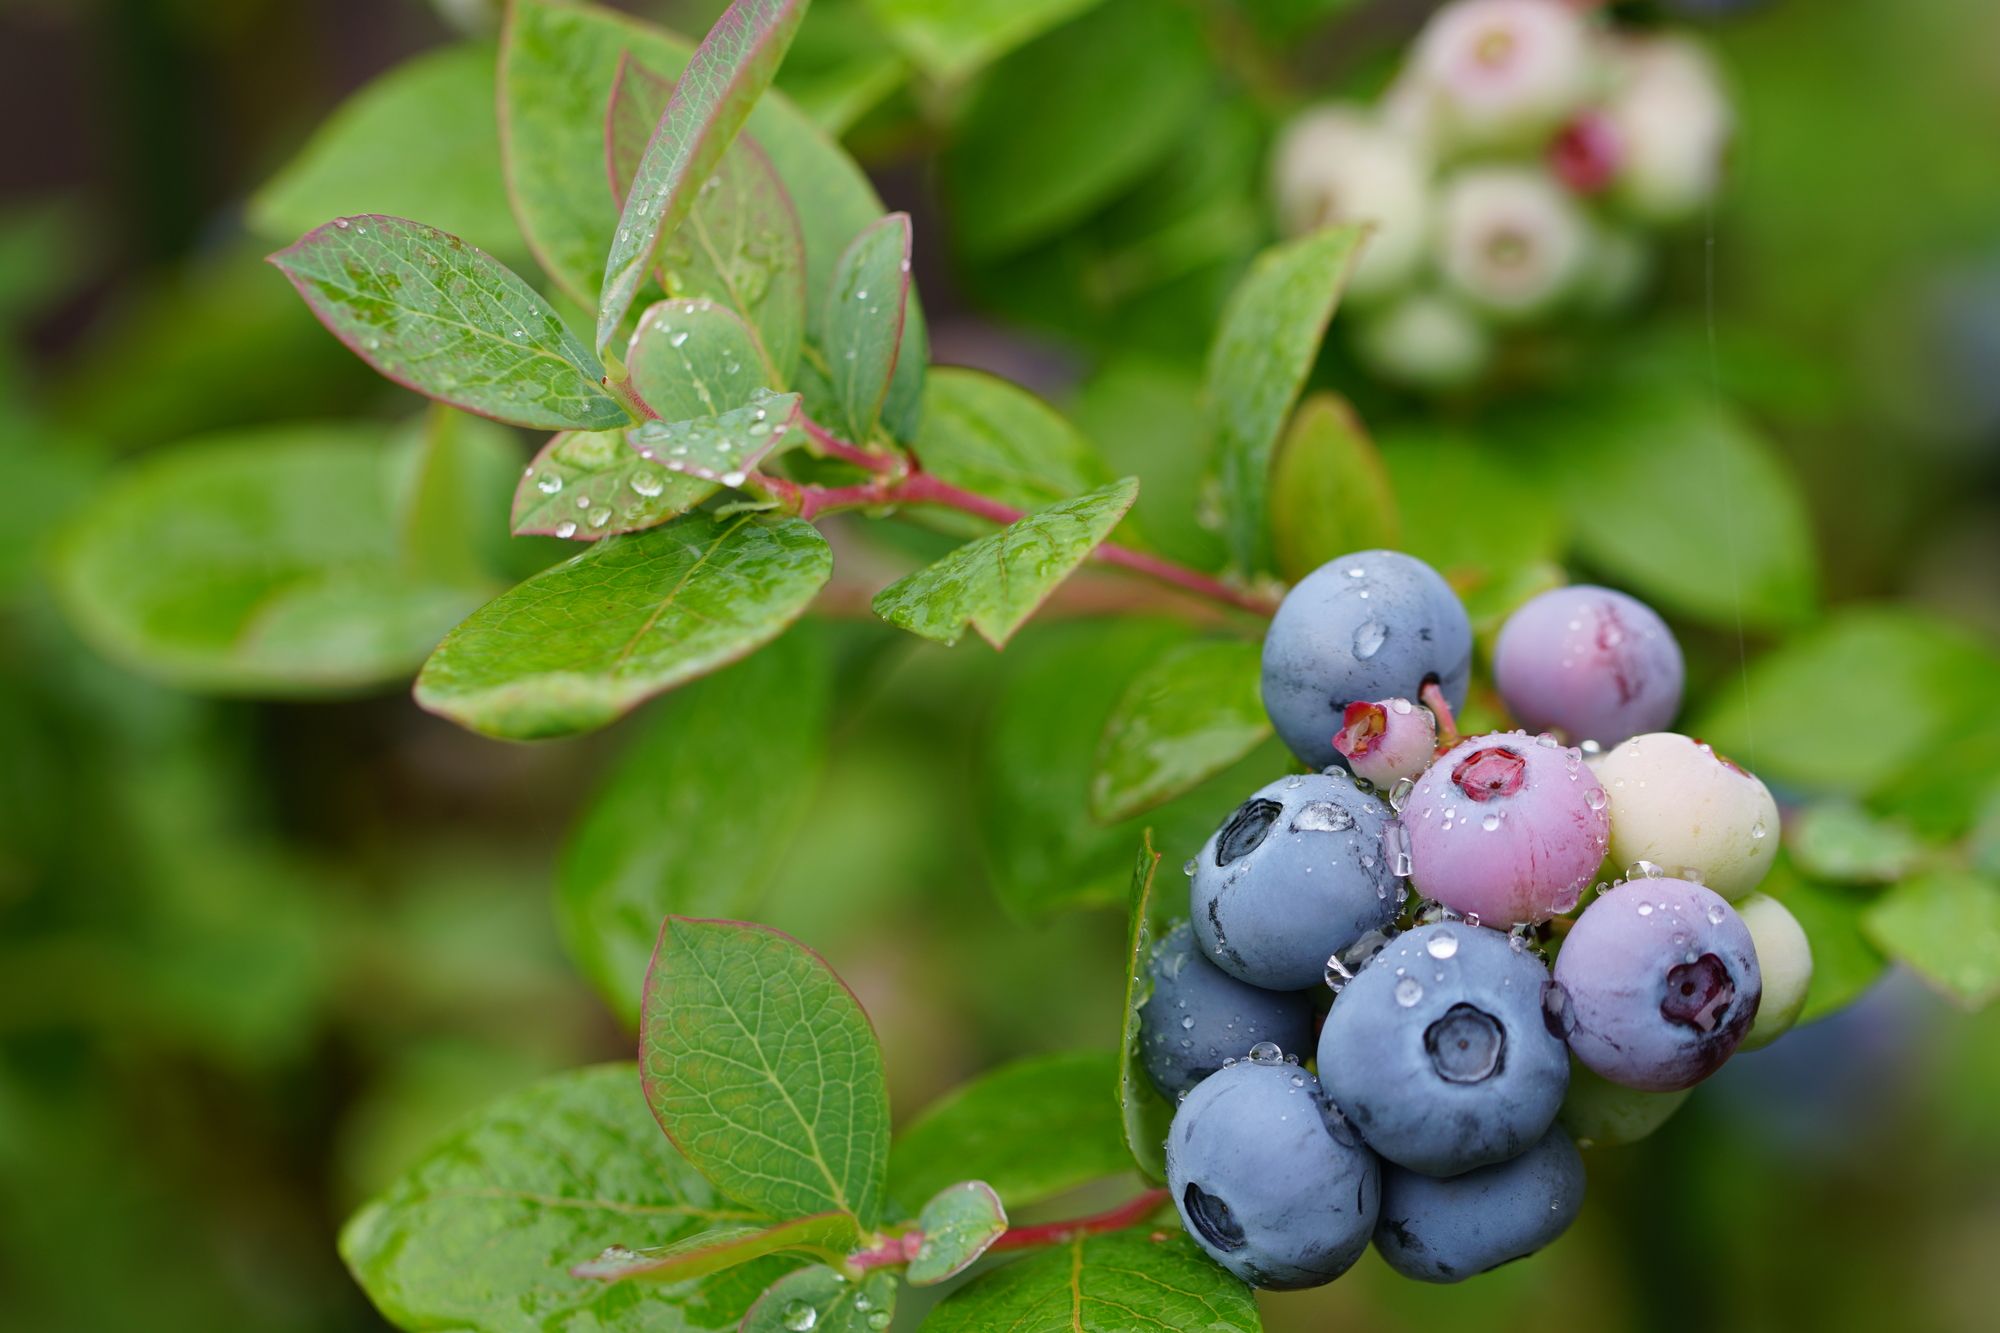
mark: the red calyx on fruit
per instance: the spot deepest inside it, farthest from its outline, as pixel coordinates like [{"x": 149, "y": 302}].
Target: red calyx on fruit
[
  {"x": 1585, "y": 154},
  {"x": 1362, "y": 727},
  {"x": 1486, "y": 774}
]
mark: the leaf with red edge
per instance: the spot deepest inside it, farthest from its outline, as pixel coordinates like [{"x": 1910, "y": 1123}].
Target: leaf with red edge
[
  {"x": 639, "y": 97},
  {"x": 861, "y": 325},
  {"x": 690, "y": 359},
  {"x": 762, "y": 1068},
  {"x": 828, "y": 1236},
  {"x": 584, "y": 485},
  {"x": 444, "y": 318},
  {"x": 728, "y": 72}
]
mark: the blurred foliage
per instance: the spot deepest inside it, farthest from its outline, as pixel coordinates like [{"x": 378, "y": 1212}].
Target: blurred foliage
[{"x": 255, "y": 957}]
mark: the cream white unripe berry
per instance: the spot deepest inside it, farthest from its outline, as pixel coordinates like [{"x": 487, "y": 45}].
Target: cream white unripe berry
[
  {"x": 1510, "y": 240},
  {"x": 1784, "y": 957},
  {"x": 1671, "y": 123},
  {"x": 1504, "y": 71},
  {"x": 1682, "y": 807},
  {"x": 1339, "y": 164},
  {"x": 1426, "y": 341}
]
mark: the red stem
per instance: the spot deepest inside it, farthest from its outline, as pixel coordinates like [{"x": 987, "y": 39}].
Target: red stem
[
  {"x": 897, "y": 1250},
  {"x": 1433, "y": 698},
  {"x": 831, "y": 445}
]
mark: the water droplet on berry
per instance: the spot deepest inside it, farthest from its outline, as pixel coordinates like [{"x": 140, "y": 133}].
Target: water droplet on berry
[
  {"x": 1369, "y": 636},
  {"x": 1322, "y": 817},
  {"x": 1399, "y": 794},
  {"x": 1266, "y": 1053},
  {"x": 1490, "y": 822},
  {"x": 1716, "y": 912},
  {"x": 1757, "y": 830},
  {"x": 1596, "y": 799},
  {"x": 1441, "y": 944},
  {"x": 1644, "y": 870},
  {"x": 1408, "y": 991},
  {"x": 1187, "y": 1024}
]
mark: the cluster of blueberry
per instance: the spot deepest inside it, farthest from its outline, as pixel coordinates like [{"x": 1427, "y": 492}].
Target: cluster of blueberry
[
  {"x": 1457, "y": 1072},
  {"x": 1512, "y": 172}
]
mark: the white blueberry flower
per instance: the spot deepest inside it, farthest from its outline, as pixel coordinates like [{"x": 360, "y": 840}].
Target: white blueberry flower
[
  {"x": 1426, "y": 341},
  {"x": 1505, "y": 71},
  {"x": 1339, "y": 164},
  {"x": 1510, "y": 239},
  {"x": 1672, "y": 123}
]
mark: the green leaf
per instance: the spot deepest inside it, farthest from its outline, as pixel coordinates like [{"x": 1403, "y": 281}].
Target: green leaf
[
  {"x": 861, "y": 325},
  {"x": 1330, "y": 491},
  {"x": 994, "y": 584},
  {"x": 586, "y": 641},
  {"x": 694, "y": 358},
  {"x": 828, "y": 1236},
  {"x": 684, "y": 781},
  {"x": 1044, "y": 851},
  {"x": 1188, "y": 716},
  {"x": 271, "y": 562},
  {"x": 712, "y": 98},
  {"x": 762, "y": 1068},
  {"x": 950, "y": 39},
  {"x": 741, "y": 245},
  {"x": 1143, "y": 1113},
  {"x": 986, "y": 435},
  {"x": 1839, "y": 841},
  {"x": 1113, "y": 1283},
  {"x": 366, "y": 158},
  {"x": 1450, "y": 485},
  {"x": 558, "y": 62},
  {"x": 1266, "y": 345},
  {"x": 822, "y": 1300},
  {"x": 590, "y": 484},
  {"x": 1845, "y": 963},
  {"x": 725, "y": 448},
  {"x": 1800, "y": 710},
  {"x": 1146, "y": 420},
  {"x": 1066, "y": 124},
  {"x": 1946, "y": 926},
  {"x": 1677, "y": 498},
  {"x": 480, "y": 1233},
  {"x": 957, "y": 1226},
  {"x": 1030, "y": 1130},
  {"x": 439, "y": 316}
]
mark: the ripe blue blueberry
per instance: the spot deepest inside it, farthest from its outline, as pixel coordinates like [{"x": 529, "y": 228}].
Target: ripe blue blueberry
[
  {"x": 1440, "y": 1053},
  {"x": 1269, "y": 1179},
  {"x": 1372, "y": 625},
  {"x": 1590, "y": 664},
  {"x": 1661, "y": 981},
  {"x": 1296, "y": 873},
  {"x": 1198, "y": 1016},
  {"x": 1449, "y": 1230}
]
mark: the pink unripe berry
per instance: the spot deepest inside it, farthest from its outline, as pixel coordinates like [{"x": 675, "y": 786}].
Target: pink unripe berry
[
  {"x": 1388, "y": 741},
  {"x": 1505, "y": 71}
]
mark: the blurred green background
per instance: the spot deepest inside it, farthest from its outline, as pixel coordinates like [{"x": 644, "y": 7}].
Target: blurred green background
[{"x": 255, "y": 955}]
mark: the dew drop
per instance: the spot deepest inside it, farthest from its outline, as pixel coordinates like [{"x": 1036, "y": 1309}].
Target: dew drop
[
  {"x": 799, "y": 1316},
  {"x": 648, "y": 484},
  {"x": 1757, "y": 830},
  {"x": 1266, "y": 1053},
  {"x": 1408, "y": 991},
  {"x": 1369, "y": 636},
  {"x": 565, "y": 529},
  {"x": 1442, "y": 944}
]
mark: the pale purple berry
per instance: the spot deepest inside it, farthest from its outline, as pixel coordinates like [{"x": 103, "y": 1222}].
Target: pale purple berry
[
  {"x": 1387, "y": 741},
  {"x": 1590, "y": 664}
]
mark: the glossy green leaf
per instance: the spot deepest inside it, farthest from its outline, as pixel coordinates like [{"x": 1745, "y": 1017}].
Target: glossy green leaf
[
  {"x": 683, "y": 782},
  {"x": 584, "y": 485},
  {"x": 1330, "y": 491},
  {"x": 950, "y": 39},
  {"x": 1267, "y": 343},
  {"x": 1113, "y": 1283},
  {"x": 1145, "y": 418},
  {"x": 1065, "y": 124},
  {"x": 741, "y": 245},
  {"x": 1044, "y": 852},
  {"x": 586, "y": 641},
  {"x": 1946, "y": 926},
  {"x": 957, "y": 1227},
  {"x": 1678, "y": 499},
  {"x": 1188, "y": 716},
  {"x": 1030, "y": 1130},
  {"x": 1448, "y": 484},
  {"x": 995, "y": 439},
  {"x": 441, "y": 317},
  {"x": 994, "y": 584},
  {"x": 861, "y": 325},
  {"x": 480, "y": 1233},
  {"x": 760, "y": 1065},
  {"x": 1795, "y": 717},
  {"x": 827, "y": 1236},
  {"x": 694, "y": 358},
  {"x": 369, "y": 157},
  {"x": 558, "y": 62},
  {"x": 445, "y": 512},
  {"x": 725, "y": 448},
  {"x": 1839, "y": 841},
  {"x": 268, "y": 562},
  {"x": 712, "y": 97},
  {"x": 1143, "y": 1113},
  {"x": 822, "y": 1300}
]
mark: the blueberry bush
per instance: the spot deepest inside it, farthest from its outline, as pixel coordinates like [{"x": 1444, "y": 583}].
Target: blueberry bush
[{"x": 1396, "y": 544}]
